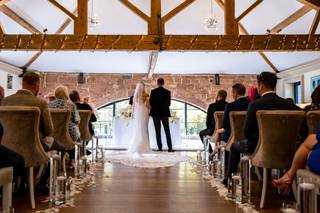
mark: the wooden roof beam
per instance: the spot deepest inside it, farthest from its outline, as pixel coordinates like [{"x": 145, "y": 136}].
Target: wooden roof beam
[
  {"x": 314, "y": 4},
  {"x": 152, "y": 63},
  {"x": 301, "y": 42},
  {"x": 11, "y": 14},
  {"x": 59, "y": 31},
  {"x": 3, "y": 2},
  {"x": 315, "y": 23},
  {"x": 292, "y": 18},
  {"x": 81, "y": 22},
  {"x": 135, "y": 10},
  {"x": 230, "y": 23},
  {"x": 177, "y": 10},
  {"x": 63, "y": 9},
  {"x": 247, "y": 11}
]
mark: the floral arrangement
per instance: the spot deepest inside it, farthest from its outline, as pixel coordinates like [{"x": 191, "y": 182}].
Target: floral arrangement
[
  {"x": 126, "y": 112},
  {"x": 174, "y": 117}
]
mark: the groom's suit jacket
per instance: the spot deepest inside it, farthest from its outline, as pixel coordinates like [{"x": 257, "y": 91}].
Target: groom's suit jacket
[{"x": 160, "y": 100}]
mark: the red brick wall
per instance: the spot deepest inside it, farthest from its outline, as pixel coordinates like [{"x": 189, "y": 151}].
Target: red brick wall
[{"x": 102, "y": 89}]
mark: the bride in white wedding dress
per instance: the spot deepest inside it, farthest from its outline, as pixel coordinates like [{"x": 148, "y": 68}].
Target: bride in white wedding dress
[{"x": 139, "y": 153}]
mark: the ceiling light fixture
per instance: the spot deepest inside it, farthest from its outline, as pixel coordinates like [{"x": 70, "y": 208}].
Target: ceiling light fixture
[{"x": 211, "y": 22}]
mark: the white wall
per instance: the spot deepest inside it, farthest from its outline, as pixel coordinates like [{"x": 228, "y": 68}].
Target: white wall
[
  {"x": 6, "y": 70},
  {"x": 302, "y": 73}
]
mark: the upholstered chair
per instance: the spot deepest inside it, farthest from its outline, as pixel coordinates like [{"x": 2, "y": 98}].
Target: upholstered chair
[
  {"x": 21, "y": 134},
  {"x": 60, "y": 119},
  {"x": 85, "y": 116},
  {"x": 6, "y": 178},
  {"x": 237, "y": 121},
  {"x": 278, "y": 132},
  {"x": 313, "y": 121},
  {"x": 218, "y": 119}
]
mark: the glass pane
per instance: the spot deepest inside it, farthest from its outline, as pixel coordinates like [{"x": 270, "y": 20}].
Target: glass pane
[
  {"x": 196, "y": 120},
  {"x": 103, "y": 126},
  {"x": 177, "y": 109}
]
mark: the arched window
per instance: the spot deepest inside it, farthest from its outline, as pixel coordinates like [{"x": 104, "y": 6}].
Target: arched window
[{"x": 192, "y": 118}]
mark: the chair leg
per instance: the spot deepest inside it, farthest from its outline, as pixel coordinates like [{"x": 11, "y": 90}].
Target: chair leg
[
  {"x": 256, "y": 170},
  {"x": 31, "y": 187},
  {"x": 7, "y": 197},
  {"x": 264, "y": 188}
]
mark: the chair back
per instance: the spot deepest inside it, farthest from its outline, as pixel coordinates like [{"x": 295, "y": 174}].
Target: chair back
[
  {"x": 21, "y": 133},
  {"x": 237, "y": 122},
  {"x": 85, "y": 116},
  {"x": 60, "y": 119},
  {"x": 278, "y": 132},
  {"x": 313, "y": 121},
  {"x": 218, "y": 119}
]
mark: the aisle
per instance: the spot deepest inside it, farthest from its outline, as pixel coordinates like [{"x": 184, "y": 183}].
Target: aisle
[{"x": 123, "y": 189}]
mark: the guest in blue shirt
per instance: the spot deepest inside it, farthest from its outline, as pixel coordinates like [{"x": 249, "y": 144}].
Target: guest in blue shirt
[{"x": 308, "y": 155}]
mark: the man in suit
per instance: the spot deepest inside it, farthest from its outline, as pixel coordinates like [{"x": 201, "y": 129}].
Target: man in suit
[
  {"x": 27, "y": 96},
  {"x": 75, "y": 98},
  {"x": 240, "y": 103},
  {"x": 269, "y": 101},
  {"x": 219, "y": 105},
  {"x": 160, "y": 100}
]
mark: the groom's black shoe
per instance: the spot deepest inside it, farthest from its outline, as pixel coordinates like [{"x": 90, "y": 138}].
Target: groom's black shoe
[
  {"x": 159, "y": 150},
  {"x": 170, "y": 150}
]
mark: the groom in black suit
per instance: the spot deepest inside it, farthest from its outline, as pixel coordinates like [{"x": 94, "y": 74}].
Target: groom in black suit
[{"x": 160, "y": 100}]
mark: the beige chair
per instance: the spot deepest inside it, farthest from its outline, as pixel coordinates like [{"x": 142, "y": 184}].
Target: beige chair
[
  {"x": 85, "y": 116},
  {"x": 21, "y": 134},
  {"x": 60, "y": 119},
  {"x": 313, "y": 121},
  {"x": 6, "y": 178},
  {"x": 218, "y": 119},
  {"x": 85, "y": 135},
  {"x": 278, "y": 132},
  {"x": 237, "y": 121}
]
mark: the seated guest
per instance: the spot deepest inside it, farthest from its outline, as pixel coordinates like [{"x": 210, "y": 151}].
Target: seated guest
[
  {"x": 1, "y": 93},
  {"x": 210, "y": 123},
  {"x": 61, "y": 102},
  {"x": 315, "y": 103},
  {"x": 290, "y": 100},
  {"x": 253, "y": 94},
  {"x": 308, "y": 154},
  {"x": 240, "y": 104},
  {"x": 27, "y": 96},
  {"x": 269, "y": 101},
  {"x": 75, "y": 98},
  {"x": 8, "y": 157}
]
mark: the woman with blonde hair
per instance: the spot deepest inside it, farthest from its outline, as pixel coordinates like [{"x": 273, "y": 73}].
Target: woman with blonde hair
[{"x": 61, "y": 102}]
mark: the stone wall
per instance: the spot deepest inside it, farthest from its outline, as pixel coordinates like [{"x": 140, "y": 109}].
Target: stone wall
[{"x": 199, "y": 90}]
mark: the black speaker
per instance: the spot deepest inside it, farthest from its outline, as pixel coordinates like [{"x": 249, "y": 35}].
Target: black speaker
[
  {"x": 217, "y": 79},
  {"x": 81, "y": 78}
]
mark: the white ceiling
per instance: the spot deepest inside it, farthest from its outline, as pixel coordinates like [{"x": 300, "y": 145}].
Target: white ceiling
[{"x": 114, "y": 18}]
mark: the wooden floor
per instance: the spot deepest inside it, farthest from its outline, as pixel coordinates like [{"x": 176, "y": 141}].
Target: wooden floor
[{"x": 123, "y": 189}]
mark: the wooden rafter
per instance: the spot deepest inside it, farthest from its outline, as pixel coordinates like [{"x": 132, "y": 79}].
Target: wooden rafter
[
  {"x": 230, "y": 23},
  {"x": 243, "y": 30},
  {"x": 247, "y": 11},
  {"x": 1, "y": 29},
  {"x": 152, "y": 63},
  {"x": 155, "y": 21},
  {"x": 81, "y": 22},
  {"x": 135, "y": 10},
  {"x": 11, "y": 14},
  {"x": 314, "y": 4},
  {"x": 177, "y": 10},
  {"x": 59, "y": 31},
  {"x": 315, "y": 23},
  {"x": 301, "y": 42},
  {"x": 292, "y": 18},
  {"x": 2, "y": 2},
  {"x": 63, "y": 9}
]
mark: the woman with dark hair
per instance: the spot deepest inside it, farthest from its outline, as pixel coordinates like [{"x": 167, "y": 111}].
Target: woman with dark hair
[{"x": 315, "y": 97}]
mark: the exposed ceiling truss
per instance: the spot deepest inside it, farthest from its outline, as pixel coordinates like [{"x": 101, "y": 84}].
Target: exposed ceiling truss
[{"x": 157, "y": 40}]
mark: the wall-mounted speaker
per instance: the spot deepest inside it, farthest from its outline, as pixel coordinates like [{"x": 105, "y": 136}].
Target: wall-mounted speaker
[
  {"x": 81, "y": 78},
  {"x": 217, "y": 79}
]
